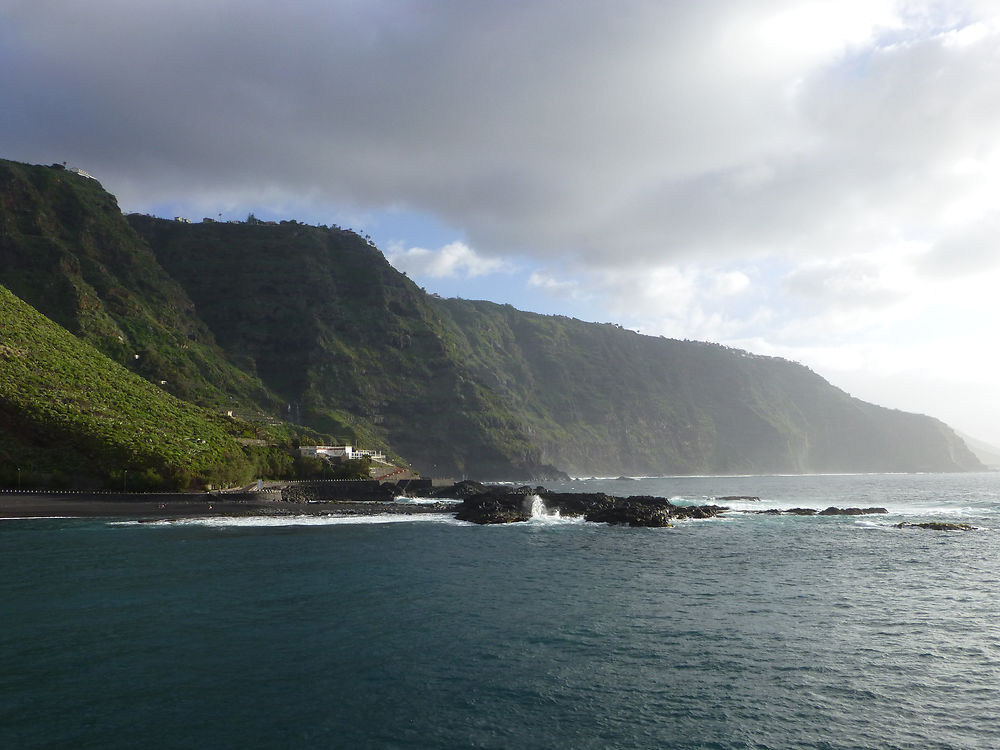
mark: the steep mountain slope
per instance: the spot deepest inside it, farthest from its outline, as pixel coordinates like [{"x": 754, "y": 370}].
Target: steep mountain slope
[
  {"x": 483, "y": 389},
  {"x": 352, "y": 345},
  {"x": 66, "y": 249},
  {"x": 312, "y": 324},
  {"x": 600, "y": 399},
  {"x": 71, "y": 415}
]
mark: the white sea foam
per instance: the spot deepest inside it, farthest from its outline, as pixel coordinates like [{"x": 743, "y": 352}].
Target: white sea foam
[
  {"x": 894, "y": 525},
  {"x": 542, "y": 516},
  {"x": 682, "y": 501},
  {"x": 538, "y": 509},
  {"x": 278, "y": 521},
  {"x": 403, "y": 500},
  {"x": 867, "y": 523},
  {"x": 32, "y": 518}
]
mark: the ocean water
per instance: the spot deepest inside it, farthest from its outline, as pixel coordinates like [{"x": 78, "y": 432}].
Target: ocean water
[{"x": 748, "y": 631}]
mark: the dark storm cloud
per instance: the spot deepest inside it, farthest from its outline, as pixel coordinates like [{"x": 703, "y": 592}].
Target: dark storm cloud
[
  {"x": 490, "y": 116},
  {"x": 667, "y": 130}
]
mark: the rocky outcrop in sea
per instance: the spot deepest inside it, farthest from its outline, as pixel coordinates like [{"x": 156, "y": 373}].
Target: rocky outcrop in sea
[
  {"x": 937, "y": 526},
  {"x": 502, "y": 505},
  {"x": 831, "y": 511}
]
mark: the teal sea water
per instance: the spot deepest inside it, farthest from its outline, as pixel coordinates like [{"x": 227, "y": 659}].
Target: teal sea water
[{"x": 750, "y": 631}]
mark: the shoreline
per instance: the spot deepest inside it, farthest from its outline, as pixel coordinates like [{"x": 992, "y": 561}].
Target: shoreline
[
  {"x": 479, "y": 504},
  {"x": 35, "y": 505}
]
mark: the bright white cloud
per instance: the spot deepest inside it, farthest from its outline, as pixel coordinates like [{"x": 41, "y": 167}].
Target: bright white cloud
[
  {"x": 687, "y": 302},
  {"x": 730, "y": 283},
  {"x": 553, "y": 286},
  {"x": 856, "y": 282},
  {"x": 970, "y": 249},
  {"x": 455, "y": 259}
]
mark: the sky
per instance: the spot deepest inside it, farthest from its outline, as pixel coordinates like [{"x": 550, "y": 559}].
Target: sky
[{"x": 816, "y": 180}]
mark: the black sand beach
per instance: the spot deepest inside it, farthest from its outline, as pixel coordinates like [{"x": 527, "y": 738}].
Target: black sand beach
[{"x": 80, "y": 505}]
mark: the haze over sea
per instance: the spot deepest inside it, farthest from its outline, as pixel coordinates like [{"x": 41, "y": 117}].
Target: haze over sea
[{"x": 748, "y": 631}]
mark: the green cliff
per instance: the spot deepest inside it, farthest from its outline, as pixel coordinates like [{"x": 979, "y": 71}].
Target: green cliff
[
  {"x": 486, "y": 390},
  {"x": 311, "y": 325},
  {"x": 600, "y": 399},
  {"x": 66, "y": 249}
]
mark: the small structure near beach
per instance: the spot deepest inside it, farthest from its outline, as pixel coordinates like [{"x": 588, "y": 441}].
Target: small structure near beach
[{"x": 346, "y": 452}]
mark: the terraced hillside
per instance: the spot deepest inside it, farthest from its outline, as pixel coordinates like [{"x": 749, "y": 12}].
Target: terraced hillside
[{"x": 69, "y": 415}]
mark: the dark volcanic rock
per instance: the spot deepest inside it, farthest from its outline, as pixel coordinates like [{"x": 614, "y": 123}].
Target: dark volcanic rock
[
  {"x": 649, "y": 511},
  {"x": 937, "y": 526},
  {"x": 460, "y": 490},
  {"x": 630, "y": 514},
  {"x": 523, "y": 491},
  {"x": 576, "y": 503},
  {"x": 489, "y": 508},
  {"x": 516, "y": 505},
  {"x": 831, "y": 511},
  {"x": 334, "y": 489},
  {"x": 502, "y": 505},
  {"x": 738, "y": 498},
  {"x": 697, "y": 511}
]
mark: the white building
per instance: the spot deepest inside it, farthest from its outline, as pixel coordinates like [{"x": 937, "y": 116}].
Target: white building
[{"x": 340, "y": 451}]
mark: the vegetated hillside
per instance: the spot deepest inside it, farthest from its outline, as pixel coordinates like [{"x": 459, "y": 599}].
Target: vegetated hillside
[
  {"x": 352, "y": 345},
  {"x": 600, "y": 399},
  {"x": 66, "y": 249},
  {"x": 482, "y": 389},
  {"x": 69, "y": 415},
  {"x": 312, "y": 324}
]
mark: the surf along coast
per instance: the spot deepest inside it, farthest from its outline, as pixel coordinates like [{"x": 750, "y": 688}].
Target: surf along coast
[{"x": 468, "y": 500}]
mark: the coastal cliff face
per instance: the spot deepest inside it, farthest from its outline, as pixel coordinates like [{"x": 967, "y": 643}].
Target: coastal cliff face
[
  {"x": 476, "y": 388},
  {"x": 600, "y": 399},
  {"x": 66, "y": 249},
  {"x": 313, "y": 326}
]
